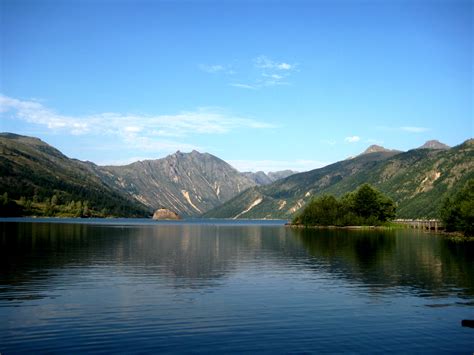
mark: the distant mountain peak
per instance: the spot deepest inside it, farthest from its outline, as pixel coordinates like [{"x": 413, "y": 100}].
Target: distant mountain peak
[
  {"x": 194, "y": 152},
  {"x": 374, "y": 148},
  {"x": 434, "y": 144},
  {"x": 260, "y": 178}
]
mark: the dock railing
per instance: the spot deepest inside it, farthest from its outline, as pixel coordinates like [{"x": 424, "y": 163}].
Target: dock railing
[{"x": 424, "y": 224}]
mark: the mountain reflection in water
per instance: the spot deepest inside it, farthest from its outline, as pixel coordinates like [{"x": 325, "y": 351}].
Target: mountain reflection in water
[{"x": 231, "y": 287}]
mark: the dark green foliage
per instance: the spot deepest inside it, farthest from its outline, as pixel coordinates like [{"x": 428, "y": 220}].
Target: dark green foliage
[
  {"x": 366, "y": 206},
  {"x": 457, "y": 212},
  {"x": 325, "y": 210},
  {"x": 8, "y": 208},
  {"x": 365, "y": 201},
  {"x": 38, "y": 173}
]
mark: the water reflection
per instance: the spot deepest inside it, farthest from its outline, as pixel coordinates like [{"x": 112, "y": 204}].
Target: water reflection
[
  {"x": 66, "y": 288},
  {"x": 32, "y": 255},
  {"x": 427, "y": 264}
]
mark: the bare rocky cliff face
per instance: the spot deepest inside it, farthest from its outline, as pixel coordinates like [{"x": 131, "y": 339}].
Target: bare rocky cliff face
[{"x": 188, "y": 183}]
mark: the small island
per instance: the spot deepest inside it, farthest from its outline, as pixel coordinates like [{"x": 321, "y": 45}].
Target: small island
[{"x": 165, "y": 214}]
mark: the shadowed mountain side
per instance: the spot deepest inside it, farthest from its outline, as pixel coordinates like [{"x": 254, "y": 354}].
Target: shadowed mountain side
[{"x": 33, "y": 169}]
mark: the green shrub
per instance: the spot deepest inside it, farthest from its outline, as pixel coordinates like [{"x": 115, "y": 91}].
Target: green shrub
[
  {"x": 365, "y": 206},
  {"x": 457, "y": 212}
]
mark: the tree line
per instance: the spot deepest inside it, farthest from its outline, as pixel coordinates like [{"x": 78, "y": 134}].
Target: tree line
[
  {"x": 365, "y": 206},
  {"x": 457, "y": 212},
  {"x": 368, "y": 206},
  {"x": 49, "y": 207}
]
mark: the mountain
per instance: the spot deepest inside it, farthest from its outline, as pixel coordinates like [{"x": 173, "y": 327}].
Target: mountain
[
  {"x": 193, "y": 184},
  {"x": 186, "y": 183},
  {"x": 418, "y": 180},
  {"x": 374, "y": 148},
  {"x": 32, "y": 169},
  {"x": 434, "y": 144},
  {"x": 260, "y": 178},
  {"x": 284, "y": 197},
  {"x": 277, "y": 175}
]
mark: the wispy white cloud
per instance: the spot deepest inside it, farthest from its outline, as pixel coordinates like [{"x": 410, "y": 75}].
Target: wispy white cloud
[
  {"x": 264, "y": 72},
  {"x": 273, "y": 76},
  {"x": 352, "y": 139},
  {"x": 413, "y": 129},
  {"x": 214, "y": 68},
  {"x": 276, "y": 165},
  {"x": 35, "y": 112},
  {"x": 145, "y": 132},
  {"x": 272, "y": 73},
  {"x": 244, "y": 86},
  {"x": 264, "y": 62}
]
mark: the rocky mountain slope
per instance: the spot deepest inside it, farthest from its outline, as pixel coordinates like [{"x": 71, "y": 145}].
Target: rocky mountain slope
[
  {"x": 187, "y": 183},
  {"x": 418, "y": 180},
  {"x": 434, "y": 144},
  {"x": 193, "y": 184},
  {"x": 261, "y": 178},
  {"x": 374, "y": 148},
  {"x": 32, "y": 169}
]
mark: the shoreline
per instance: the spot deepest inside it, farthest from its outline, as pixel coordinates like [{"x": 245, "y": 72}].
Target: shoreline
[
  {"x": 455, "y": 236},
  {"x": 299, "y": 226}
]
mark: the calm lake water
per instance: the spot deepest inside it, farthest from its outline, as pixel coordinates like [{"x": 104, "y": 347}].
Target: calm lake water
[{"x": 207, "y": 286}]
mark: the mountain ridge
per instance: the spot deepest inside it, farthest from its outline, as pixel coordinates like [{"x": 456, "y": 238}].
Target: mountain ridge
[
  {"x": 262, "y": 178},
  {"x": 187, "y": 183},
  {"x": 201, "y": 184},
  {"x": 418, "y": 180}
]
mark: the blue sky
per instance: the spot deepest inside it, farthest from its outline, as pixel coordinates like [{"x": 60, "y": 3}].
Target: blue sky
[{"x": 264, "y": 85}]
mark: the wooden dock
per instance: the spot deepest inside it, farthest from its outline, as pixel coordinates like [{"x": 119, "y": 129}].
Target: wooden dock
[{"x": 424, "y": 224}]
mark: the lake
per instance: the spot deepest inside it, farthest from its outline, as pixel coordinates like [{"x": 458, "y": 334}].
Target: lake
[{"x": 207, "y": 286}]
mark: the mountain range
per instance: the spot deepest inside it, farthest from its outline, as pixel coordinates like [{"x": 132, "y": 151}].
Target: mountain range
[
  {"x": 417, "y": 180},
  {"x": 187, "y": 183},
  {"x": 200, "y": 184}
]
